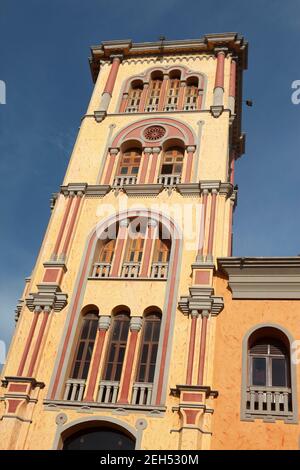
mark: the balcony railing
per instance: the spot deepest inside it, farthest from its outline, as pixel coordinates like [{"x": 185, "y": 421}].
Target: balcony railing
[
  {"x": 119, "y": 181},
  {"x": 141, "y": 394},
  {"x": 269, "y": 401},
  {"x": 169, "y": 180},
  {"x": 74, "y": 389},
  {"x": 132, "y": 109},
  {"x": 131, "y": 269},
  {"x": 151, "y": 108},
  {"x": 190, "y": 107},
  {"x": 101, "y": 270},
  {"x": 170, "y": 107},
  {"x": 108, "y": 391},
  {"x": 159, "y": 270}
]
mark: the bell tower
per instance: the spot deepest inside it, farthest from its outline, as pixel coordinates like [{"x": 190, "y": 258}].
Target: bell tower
[{"x": 117, "y": 323}]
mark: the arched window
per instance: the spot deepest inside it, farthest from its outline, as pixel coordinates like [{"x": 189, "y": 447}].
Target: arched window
[
  {"x": 171, "y": 101},
  {"x": 116, "y": 348},
  {"x": 134, "y": 97},
  {"x": 107, "y": 252},
  {"x": 85, "y": 346},
  {"x": 103, "y": 260},
  {"x": 172, "y": 161},
  {"x": 99, "y": 437},
  {"x": 162, "y": 251},
  {"x": 191, "y": 94},
  {"x": 128, "y": 167},
  {"x": 154, "y": 92},
  {"x": 267, "y": 381},
  {"x": 149, "y": 347}
]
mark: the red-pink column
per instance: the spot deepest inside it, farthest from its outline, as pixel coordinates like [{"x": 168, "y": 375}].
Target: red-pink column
[
  {"x": 232, "y": 86},
  {"x": 163, "y": 92},
  {"x": 202, "y": 225},
  {"x": 121, "y": 238},
  {"x": 124, "y": 103},
  {"x": 62, "y": 228},
  {"x": 181, "y": 95},
  {"x": 144, "y": 95},
  {"x": 230, "y": 227},
  {"x": 219, "y": 79},
  {"x": 66, "y": 244},
  {"x": 189, "y": 374},
  {"x": 212, "y": 225},
  {"x": 144, "y": 165},
  {"x": 103, "y": 326},
  {"x": 200, "y": 93},
  {"x": 149, "y": 242},
  {"x": 37, "y": 347},
  {"x": 110, "y": 83},
  {"x": 135, "y": 327},
  {"x": 189, "y": 164},
  {"x": 204, "y": 315},
  {"x": 112, "y": 155},
  {"x": 155, "y": 153},
  {"x": 37, "y": 311}
]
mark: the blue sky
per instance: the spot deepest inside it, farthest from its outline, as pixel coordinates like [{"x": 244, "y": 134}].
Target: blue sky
[{"x": 44, "y": 48}]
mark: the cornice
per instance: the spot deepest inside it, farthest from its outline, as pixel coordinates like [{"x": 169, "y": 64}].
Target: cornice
[{"x": 262, "y": 278}]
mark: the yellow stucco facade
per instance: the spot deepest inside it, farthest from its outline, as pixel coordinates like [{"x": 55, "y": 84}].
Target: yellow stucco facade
[{"x": 198, "y": 395}]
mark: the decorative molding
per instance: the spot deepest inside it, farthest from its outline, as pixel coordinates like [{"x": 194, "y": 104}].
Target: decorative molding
[
  {"x": 142, "y": 189},
  {"x": 74, "y": 189},
  {"x": 262, "y": 278},
  {"x": 48, "y": 295},
  {"x": 97, "y": 190},
  {"x": 201, "y": 299}
]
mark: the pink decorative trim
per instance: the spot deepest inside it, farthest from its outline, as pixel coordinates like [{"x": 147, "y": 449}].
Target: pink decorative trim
[
  {"x": 189, "y": 166},
  {"x": 124, "y": 103},
  {"x": 192, "y": 397},
  {"x": 230, "y": 230},
  {"x": 191, "y": 416},
  {"x": 123, "y": 399},
  {"x": 71, "y": 227},
  {"x": 62, "y": 227},
  {"x": 28, "y": 344},
  {"x": 111, "y": 163},
  {"x": 232, "y": 82},
  {"x": 163, "y": 91},
  {"x": 189, "y": 375},
  {"x": 202, "y": 350},
  {"x": 150, "y": 240},
  {"x": 153, "y": 167},
  {"x": 95, "y": 365},
  {"x": 118, "y": 251},
  {"x": 219, "y": 82},
  {"x": 143, "y": 98},
  {"x": 202, "y": 225},
  {"x": 109, "y": 86},
  {"x": 144, "y": 168},
  {"x": 182, "y": 90},
  {"x": 202, "y": 278},
  {"x": 212, "y": 224},
  {"x": 38, "y": 344}
]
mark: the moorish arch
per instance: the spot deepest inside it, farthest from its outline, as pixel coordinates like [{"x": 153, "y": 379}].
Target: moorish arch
[{"x": 169, "y": 309}]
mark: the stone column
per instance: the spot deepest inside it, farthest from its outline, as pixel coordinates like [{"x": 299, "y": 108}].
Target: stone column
[
  {"x": 120, "y": 242},
  {"x": 66, "y": 244},
  {"x": 124, "y": 103},
  {"x": 108, "y": 89},
  {"x": 232, "y": 86},
  {"x": 37, "y": 347},
  {"x": 37, "y": 311},
  {"x": 143, "y": 100},
  {"x": 149, "y": 245},
  {"x": 219, "y": 80},
  {"x": 189, "y": 164},
  {"x": 112, "y": 155},
  {"x": 189, "y": 374},
  {"x": 212, "y": 225},
  {"x": 163, "y": 92},
  {"x": 103, "y": 326},
  {"x": 144, "y": 165},
  {"x": 62, "y": 227},
  {"x": 181, "y": 95},
  {"x": 204, "y": 315},
  {"x": 155, "y": 153},
  {"x": 135, "y": 327}
]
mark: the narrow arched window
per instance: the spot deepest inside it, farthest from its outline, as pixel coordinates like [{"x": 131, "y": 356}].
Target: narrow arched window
[
  {"x": 154, "y": 94},
  {"x": 268, "y": 364},
  {"x": 149, "y": 348},
  {"x": 191, "y": 95},
  {"x": 107, "y": 252},
  {"x": 162, "y": 251},
  {"x": 171, "y": 101},
  {"x": 85, "y": 346},
  {"x": 172, "y": 162},
  {"x": 134, "y": 97},
  {"x": 130, "y": 162},
  {"x": 116, "y": 348}
]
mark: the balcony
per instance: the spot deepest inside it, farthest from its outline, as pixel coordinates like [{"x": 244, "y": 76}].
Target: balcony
[
  {"x": 130, "y": 270},
  {"x": 159, "y": 270},
  {"x": 132, "y": 109},
  {"x": 120, "y": 181},
  {"x": 108, "y": 392},
  {"x": 269, "y": 402},
  {"x": 169, "y": 180},
  {"x": 151, "y": 108},
  {"x": 101, "y": 270},
  {"x": 74, "y": 389},
  {"x": 170, "y": 107},
  {"x": 141, "y": 393}
]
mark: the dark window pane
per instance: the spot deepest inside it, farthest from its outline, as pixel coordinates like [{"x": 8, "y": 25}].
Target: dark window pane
[
  {"x": 153, "y": 354},
  {"x": 278, "y": 372},
  {"x": 112, "y": 352},
  {"x": 144, "y": 354},
  {"x": 124, "y": 170},
  {"x": 151, "y": 373},
  {"x": 108, "y": 372},
  {"x": 85, "y": 370},
  {"x": 80, "y": 351},
  {"x": 156, "y": 331},
  {"x": 141, "y": 377},
  {"x": 259, "y": 375},
  {"x": 148, "y": 331},
  {"x": 167, "y": 169}
]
